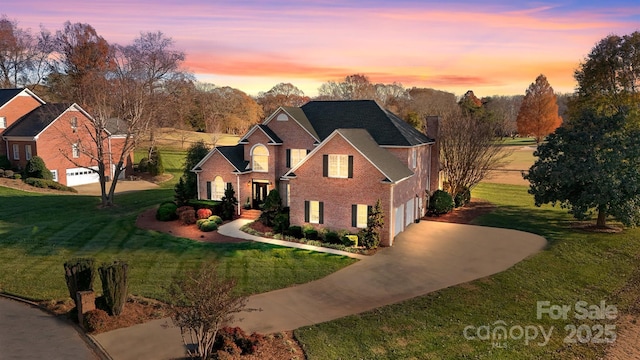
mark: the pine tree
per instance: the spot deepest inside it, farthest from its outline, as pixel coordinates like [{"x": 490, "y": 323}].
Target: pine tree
[{"x": 538, "y": 115}]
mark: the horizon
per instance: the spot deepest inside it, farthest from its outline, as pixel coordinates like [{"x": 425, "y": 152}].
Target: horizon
[{"x": 495, "y": 48}]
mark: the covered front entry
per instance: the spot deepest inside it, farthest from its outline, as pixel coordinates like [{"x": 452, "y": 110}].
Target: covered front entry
[{"x": 259, "y": 193}]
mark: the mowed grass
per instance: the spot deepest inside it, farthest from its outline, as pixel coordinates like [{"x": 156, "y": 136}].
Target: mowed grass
[
  {"x": 39, "y": 232},
  {"x": 576, "y": 265}
]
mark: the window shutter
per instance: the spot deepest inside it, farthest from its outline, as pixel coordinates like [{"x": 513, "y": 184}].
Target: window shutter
[
  {"x": 306, "y": 211},
  {"x": 325, "y": 165},
  {"x": 209, "y": 190},
  {"x": 308, "y": 151},
  {"x": 354, "y": 215},
  {"x": 288, "y": 158},
  {"x": 350, "y": 166},
  {"x": 229, "y": 185},
  {"x": 321, "y": 211}
]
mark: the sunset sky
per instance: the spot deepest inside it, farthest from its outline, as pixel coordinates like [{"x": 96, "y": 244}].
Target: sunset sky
[{"x": 493, "y": 47}]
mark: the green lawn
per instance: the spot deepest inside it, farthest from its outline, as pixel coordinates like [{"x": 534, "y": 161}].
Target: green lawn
[
  {"x": 577, "y": 265},
  {"x": 519, "y": 141},
  {"x": 39, "y": 232}
]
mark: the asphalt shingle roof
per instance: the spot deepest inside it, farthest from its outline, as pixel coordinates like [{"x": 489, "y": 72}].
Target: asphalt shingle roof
[
  {"x": 7, "y": 94},
  {"x": 385, "y": 127},
  {"x": 235, "y": 155},
  {"x": 37, "y": 120},
  {"x": 381, "y": 158}
]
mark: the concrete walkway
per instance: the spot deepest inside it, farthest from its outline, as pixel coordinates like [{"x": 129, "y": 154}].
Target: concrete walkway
[
  {"x": 426, "y": 257},
  {"x": 27, "y": 332}
]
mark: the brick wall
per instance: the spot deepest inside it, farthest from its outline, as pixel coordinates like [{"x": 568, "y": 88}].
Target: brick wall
[{"x": 12, "y": 111}]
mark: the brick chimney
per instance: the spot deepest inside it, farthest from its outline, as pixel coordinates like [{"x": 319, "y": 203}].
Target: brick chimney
[{"x": 433, "y": 131}]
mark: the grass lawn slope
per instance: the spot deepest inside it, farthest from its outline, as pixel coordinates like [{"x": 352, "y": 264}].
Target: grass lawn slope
[
  {"x": 39, "y": 232},
  {"x": 576, "y": 266}
]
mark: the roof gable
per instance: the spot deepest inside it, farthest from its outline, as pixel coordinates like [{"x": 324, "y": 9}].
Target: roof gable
[
  {"x": 233, "y": 154},
  {"x": 6, "y": 95},
  {"x": 384, "y": 127},
  {"x": 273, "y": 138},
  {"x": 389, "y": 166},
  {"x": 35, "y": 122},
  {"x": 298, "y": 116}
]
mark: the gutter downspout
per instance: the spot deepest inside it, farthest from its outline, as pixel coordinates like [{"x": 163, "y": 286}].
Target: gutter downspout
[{"x": 239, "y": 192}]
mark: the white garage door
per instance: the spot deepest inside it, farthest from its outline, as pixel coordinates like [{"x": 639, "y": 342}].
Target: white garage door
[
  {"x": 398, "y": 223},
  {"x": 81, "y": 176},
  {"x": 409, "y": 212}
]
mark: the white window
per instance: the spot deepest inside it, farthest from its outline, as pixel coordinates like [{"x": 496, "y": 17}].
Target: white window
[
  {"x": 296, "y": 156},
  {"x": 314, "y": 212},
  {"x": 16, "y": 152},
  {"x": 74, "y": 124},
  {"x": 75, "y": 151},
  {"x": 217, "y": 188},
  {"x": 55, "y": 175},
  {"x": 338, "y": 166},
  {"x": 362, "y": 216},
  {"x": 413, "y": 158},
  {"x": 3, "y": 122},
  {"x": 27, "y": 152},
  {"x": 260, "y": 158},
  {"x": 282, "y": 117}
]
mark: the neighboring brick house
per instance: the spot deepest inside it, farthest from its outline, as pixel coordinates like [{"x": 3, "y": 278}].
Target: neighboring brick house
[
  {"x": 58, "y": 133},
  {"x": 331, "y": 161}
]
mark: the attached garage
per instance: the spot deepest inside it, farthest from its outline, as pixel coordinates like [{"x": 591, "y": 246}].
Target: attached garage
[
  {"x": 398, "y": 220},
  {"x": 81, "y": 176}
]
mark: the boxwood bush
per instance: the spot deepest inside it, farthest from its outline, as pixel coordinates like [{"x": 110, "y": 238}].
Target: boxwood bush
[
  {"x": 216, "y": 219},
  {"x": 441, "y": 202},
  {"x": 47, "y": 184},
  {"x": 167, "y": 211},
  {"x": 295, "y": 231}
]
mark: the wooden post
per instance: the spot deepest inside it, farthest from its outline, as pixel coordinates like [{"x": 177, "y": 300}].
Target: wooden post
[{"x": 86, "y": 303}]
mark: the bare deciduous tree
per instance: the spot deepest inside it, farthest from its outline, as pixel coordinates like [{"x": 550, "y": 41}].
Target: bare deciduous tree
[
  {"x": 468, "y": 150},
  {"x": 204, "y": 301}
]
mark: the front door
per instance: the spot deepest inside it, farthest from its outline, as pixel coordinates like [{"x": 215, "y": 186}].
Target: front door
[{"x": 259, "y": 194}]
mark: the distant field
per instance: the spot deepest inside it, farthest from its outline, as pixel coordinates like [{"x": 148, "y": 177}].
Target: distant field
[
  {"x": 519, "y": 161},
  {"x": 181, "y": 139}
]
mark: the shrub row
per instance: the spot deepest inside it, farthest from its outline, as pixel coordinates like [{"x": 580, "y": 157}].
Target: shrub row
[
  {"x": 48, "y": 184},
  {"x": 209, "y": 224}
]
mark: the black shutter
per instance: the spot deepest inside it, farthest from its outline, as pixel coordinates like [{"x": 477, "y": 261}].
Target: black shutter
[
  {"x": 321, "y": 211},
  {"x": 306, "y": 211},
  {"x": 308, "y": 151},
  {"x": 208, "y": 190},
  {"x": 288, "y": 158},
  {"x": 325, "y": 165},
  {"x": 350, "y": 166},
  {"x": 354, "y": 215}
]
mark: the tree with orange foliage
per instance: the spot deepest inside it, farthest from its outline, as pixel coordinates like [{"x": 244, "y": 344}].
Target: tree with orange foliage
[{"x": 538, "y": 115}]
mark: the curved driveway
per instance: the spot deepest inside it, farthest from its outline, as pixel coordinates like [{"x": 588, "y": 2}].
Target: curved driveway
[
  {"x": 27, "y": 332},
  {"x": 426, "y": 257}
]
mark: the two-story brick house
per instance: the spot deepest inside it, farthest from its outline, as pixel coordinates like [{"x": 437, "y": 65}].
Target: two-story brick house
[
  {"x": 331, "y": 161},
  {"x": 58, "y": 133}
]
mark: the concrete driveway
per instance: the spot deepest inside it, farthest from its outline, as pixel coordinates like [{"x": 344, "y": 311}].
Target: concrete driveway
[
  {"x": 121, "y": 187},
  {"x": 27, "y": 332},
  {"x": 426, "y": 257}
]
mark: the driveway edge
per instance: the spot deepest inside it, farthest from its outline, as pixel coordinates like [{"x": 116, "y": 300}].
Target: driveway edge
[{"x": 91, "y": 342}]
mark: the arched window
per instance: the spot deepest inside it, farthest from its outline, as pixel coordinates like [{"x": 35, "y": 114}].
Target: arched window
[
  {"x": 260, "y": 158},
  {"x": 217, "y": 188}
]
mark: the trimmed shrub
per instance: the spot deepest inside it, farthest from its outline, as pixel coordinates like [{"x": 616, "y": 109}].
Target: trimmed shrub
[
  {"x": 441, "y": 202},
  {"x": 295, "y": 231},
  {"x": 462, "y": 198},
  {"x": 199, "y": 222},
  {"x": 17, "y": 176},
  {"x": 36, "y": 168},
  {"x": 281, "y": 223},
  {"x": 209, "y": 226},
  {"x": 143, "y": 165},
  {"x": 1, "y": 172},
  {"x": 187, "y": 216},
  {"x": 96, "y": 320},
  {"x": 310, "y": 234},
  {"x": 215, "y": 218},
  {"x": 213, "y": 205},
  {"x": 271, "y": 208},
  {"x": 204, "y": 213},
  {"x": 229, "y": 203},
  {"x": 8, "y": 173},
  {"x": 79, "y": 274},
  {"x": 167, "y": 211},
  {"x": 50, "y": 184},
  {"x": 236, "y": 342},
  {"x": 114, "y": 285},
  {"x": 332, "y": 237},
  {"x": 350, "y": 240},
  {"x": 4, "y": 162},
  {"x": 155, "y": 166}
]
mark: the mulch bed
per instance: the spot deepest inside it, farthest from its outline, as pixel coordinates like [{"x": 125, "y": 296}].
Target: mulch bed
[{"x": 464, "y": 215}]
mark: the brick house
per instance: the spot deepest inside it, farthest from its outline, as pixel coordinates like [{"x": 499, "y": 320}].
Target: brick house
[
  {"x": 58, "y": 133},
  {"x": 331, "y": 161}
]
